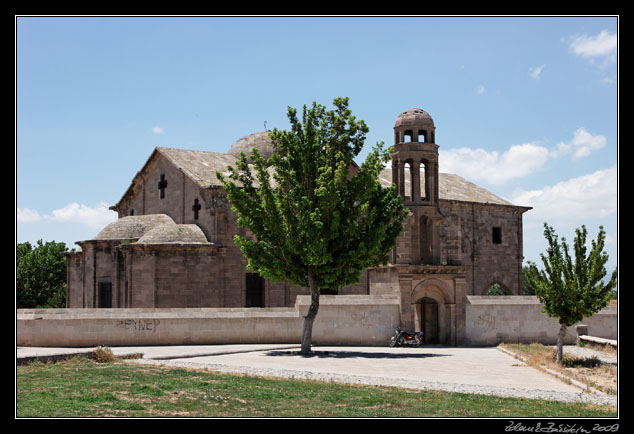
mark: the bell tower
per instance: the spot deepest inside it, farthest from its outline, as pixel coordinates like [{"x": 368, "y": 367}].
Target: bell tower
[{"x": 415, "y": 173}]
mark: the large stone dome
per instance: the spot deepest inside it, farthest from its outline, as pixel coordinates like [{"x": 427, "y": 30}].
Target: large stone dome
[
  {"x": 132, "y": 227},
  {"x": 414, "y": 117},
  {"x": 261, "y": 141}
]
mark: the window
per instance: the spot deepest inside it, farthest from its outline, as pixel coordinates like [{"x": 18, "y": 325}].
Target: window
[
  {"x": 196, "y": 207},
  {"x": 495, "y": 289},
  {"x": 497, "y": 235},
  {"x": 162, "y": 185},
  {"x": 254, "y": 290},
  {"x": 104, "y": 296}
]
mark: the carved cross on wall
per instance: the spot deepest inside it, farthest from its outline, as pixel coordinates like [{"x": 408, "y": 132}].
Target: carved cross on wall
[
  {"x": 196, "y": 208},
  {"x": 162, "y": 185}
]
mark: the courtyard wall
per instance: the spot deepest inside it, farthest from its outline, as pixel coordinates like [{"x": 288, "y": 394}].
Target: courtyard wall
[
  {"x": 364, "y": 320},
  {"x": 491, "y": 320},
  {"x": 342, "y": 320}
]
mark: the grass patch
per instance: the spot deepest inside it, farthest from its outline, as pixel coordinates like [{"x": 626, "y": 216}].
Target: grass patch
[{"x": 83, "y": 388}]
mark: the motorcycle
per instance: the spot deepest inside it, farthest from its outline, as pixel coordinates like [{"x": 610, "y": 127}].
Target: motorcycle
[{"x": 403, "y": 338}]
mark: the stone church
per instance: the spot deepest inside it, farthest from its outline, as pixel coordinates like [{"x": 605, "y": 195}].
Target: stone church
[{"x": 172, "y": 245}]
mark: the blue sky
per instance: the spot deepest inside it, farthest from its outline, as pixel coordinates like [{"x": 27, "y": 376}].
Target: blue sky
[{"x": 526, "y": 107}]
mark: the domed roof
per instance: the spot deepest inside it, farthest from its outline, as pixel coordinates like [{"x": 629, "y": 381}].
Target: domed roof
[
  {"x": 173, "y": 233},
  {"x": 132, "y": 227},
  {"x": 260, "y": 140},
  {"x": 414, "y": 117}
]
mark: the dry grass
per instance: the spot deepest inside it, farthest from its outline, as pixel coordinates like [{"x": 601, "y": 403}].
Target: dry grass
[
  {"x": 103, "y": 355},
  {"x": 589, "y": 371}
]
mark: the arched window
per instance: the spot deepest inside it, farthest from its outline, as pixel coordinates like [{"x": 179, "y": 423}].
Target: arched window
[
  {"x": 407, "y": 181},
  {"x": 423, "y": 193},
  {"x": 495, "y": 289}
]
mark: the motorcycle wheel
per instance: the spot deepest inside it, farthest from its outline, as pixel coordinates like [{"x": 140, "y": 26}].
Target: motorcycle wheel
[{"x": 392, "y": 342}]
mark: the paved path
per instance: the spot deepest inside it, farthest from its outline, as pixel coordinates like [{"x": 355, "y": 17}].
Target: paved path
[{"x": 457, "y": 369}]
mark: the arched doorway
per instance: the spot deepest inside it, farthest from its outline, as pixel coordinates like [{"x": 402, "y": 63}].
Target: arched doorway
[
  {"x": 433, "y": 312},
  {"x": 428, "y": 320}
]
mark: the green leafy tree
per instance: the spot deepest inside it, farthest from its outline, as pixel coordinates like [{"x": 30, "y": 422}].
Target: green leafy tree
[
  {"x": 317, "y": 224},
  {"x": 526, "y": 289},
  {"x": 571, "y": 289},
  {"x": 40, "y": 275}
]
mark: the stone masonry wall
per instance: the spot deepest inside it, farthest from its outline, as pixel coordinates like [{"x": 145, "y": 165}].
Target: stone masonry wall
[
  {"x": 74, "y": 280},
  {"x": 467, "y": 237},
  {"x": 494, "y": 319},
  {"x": 342, "y": 320},
  {"x": 358, "y": 320},
  {"x": 175, "y": 276}
]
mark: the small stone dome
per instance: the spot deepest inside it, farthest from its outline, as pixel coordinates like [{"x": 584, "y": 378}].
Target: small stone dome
[
  {"x": 260, "y": 140},
  {"x": 132, "y": 227},
  {"x": 414, "y": 117},
  {"x": 173, "y": 233},
  {"x": 416, "y": 124}
]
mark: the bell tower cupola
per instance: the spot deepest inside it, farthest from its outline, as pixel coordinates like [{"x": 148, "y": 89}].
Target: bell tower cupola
[{"x": 415, "y": 158}]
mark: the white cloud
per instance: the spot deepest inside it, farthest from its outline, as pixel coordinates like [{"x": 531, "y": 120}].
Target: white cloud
[
  {"x": 479, "y": 164},
  {"x": 94, "y": 217},
  {"x": 157, "y": 130},
  {"x": 602, "y": 45},
  {"x": 581, "y": 144},
  {"x": 601, "y": 48},
  {"x": 26, "y": 215},
  {"x": 536, "y": 72},
  {"x": 587, "y": 196},
  {"x": 517, "y": 161}
]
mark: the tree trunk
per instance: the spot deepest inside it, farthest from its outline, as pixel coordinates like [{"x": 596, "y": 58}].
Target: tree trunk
[
  {"x": 309, "y": 319},
  {"x": 560, "y": 344}
]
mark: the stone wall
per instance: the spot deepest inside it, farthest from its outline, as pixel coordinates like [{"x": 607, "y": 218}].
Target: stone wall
[
  {"x": 494, "y": 319},
  {"x": 178, "y": 276},
  {"x": 467, "y": 239},
  {"x": 365, "y": 320},
  {"x": 353, "y": 320}
]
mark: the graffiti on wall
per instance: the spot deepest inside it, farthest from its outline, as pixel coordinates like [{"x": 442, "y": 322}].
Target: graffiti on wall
[
  {"x": 486, "y": 321},
  {"x": 147, "y": 325}
]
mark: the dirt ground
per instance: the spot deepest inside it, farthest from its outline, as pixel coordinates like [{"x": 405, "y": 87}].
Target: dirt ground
[{"x": 603, "y": 377}]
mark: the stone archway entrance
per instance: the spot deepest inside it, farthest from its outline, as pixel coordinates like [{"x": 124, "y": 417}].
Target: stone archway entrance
[
  {"x": 434, "y": 312},
  {"x": 428, "y": 320},
  {"x": 433, "y": 301}
]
